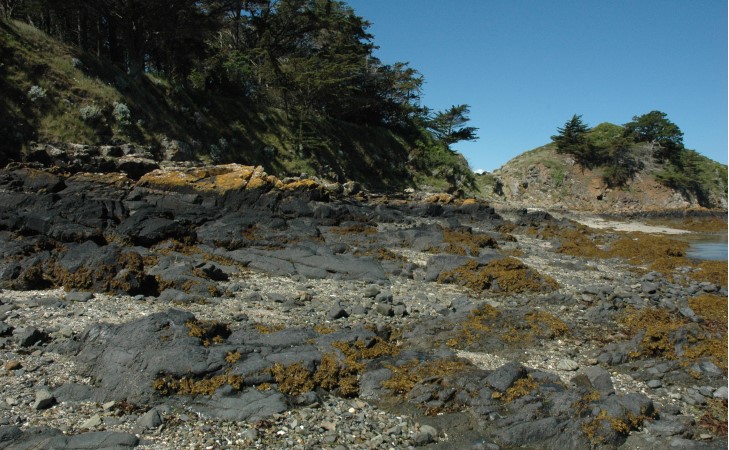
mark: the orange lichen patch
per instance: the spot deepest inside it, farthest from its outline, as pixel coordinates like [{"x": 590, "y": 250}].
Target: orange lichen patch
[
  {"x": 220, "y": 179},
  {"x": 166, "y": 178},
  {"x": 260, "y": 180},
  {"x": 440, "y": 198},
  {"x": 506, "y": 275},
  {"x": 305, "y": 184},
  {"x": 231, "y": 181}
]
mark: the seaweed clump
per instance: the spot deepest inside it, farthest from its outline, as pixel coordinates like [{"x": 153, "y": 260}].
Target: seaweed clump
[
  {"x": 667, "y": 335},
  {"x": 603, "y": 425},
  {"x": 521, "y": 387},
  {"x": 516, "y": 328},
  {"x": 507, "y": 276},
  {"x": 168, "y": 385},
  {"x": 463, "y": 241},
  {"x": 209, "y": 332},
  {"x": 332, "y": 374},
  {"x": 406, "y": 376},
  {"x": 574, "y": 240},
  {"x": 659, "y": 328}
]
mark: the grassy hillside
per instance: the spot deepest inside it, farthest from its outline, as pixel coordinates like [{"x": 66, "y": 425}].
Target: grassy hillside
[{"x": 54, "y": 93}]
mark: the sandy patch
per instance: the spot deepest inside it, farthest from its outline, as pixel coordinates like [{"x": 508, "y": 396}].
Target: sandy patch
[{"x": 596, "y": 222}]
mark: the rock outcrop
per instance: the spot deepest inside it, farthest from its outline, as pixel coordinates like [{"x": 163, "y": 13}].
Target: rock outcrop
[{"x": 245, "y": 300}]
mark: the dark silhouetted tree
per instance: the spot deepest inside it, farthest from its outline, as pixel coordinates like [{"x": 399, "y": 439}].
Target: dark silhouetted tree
[
  {"x": 572, "y": 139},
  {"x": 665, "y": 137},
  {"x": 448, "y": 125}
]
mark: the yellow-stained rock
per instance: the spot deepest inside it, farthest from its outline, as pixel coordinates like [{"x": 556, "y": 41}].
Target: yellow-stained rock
[
  {"x": 440, "y": 198},
  {"x": 112, "y": 179},
  {"x": 221, "y": 179}
]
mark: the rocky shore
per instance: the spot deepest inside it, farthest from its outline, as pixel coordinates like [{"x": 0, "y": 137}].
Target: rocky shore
[{"x": 220, "y": 307}]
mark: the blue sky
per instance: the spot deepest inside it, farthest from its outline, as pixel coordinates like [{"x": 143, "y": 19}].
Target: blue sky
[{"x": 526, "y": 66}]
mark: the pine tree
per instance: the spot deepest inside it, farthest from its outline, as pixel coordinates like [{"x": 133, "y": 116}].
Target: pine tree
[
  {"x": 665, "y": 137},
  {"x": 572, "y": 139},
  {"x": 448, "y": 125}
]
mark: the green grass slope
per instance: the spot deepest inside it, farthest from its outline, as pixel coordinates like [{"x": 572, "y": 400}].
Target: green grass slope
[{"x": 55, "y": 94}]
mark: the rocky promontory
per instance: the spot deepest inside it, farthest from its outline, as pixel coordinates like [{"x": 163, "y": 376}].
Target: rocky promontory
[{"x": 169, "y": 306}]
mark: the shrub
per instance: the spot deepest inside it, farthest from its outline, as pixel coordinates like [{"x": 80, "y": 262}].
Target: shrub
[
  {"x": 90, "y": 113},
  {"x": 36, "y": 93},
  {"x": 122, "y": 114}
]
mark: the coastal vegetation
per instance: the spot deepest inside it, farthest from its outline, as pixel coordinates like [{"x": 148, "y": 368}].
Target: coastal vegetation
[
  {"x": 649, "y": 140},
  {"x": 292, "y": 85}
]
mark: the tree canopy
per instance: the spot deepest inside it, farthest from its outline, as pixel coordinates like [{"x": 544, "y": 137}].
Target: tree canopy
[
  {"x": 620, "y": 151},
  {"x": 448, "y": 125},
  {"x": 665, "y": 137},
  {"x": 572, "y": 139},
  {"x": 308, "y": 57}
]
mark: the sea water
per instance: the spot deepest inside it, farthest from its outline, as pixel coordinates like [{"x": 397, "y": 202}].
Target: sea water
[{"x": 711, "y": 247}]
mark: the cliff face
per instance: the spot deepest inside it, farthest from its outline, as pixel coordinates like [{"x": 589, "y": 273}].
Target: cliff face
[
  {"x": 59, "y": 100},
  {"x": 545, "y": 179}
]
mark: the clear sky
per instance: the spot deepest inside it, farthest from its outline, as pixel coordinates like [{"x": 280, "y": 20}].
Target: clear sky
[{"x": 526, "y": 66}]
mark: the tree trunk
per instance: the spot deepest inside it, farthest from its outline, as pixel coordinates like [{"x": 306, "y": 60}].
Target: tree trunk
[
  {"x": 83, "y": 32},
  {"x": 135, "y": 48},
  {"x": 115, "y": 53}
]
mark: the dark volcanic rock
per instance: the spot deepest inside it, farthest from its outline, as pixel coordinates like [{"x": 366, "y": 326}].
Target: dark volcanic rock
[
  {"x": 13, "y": 438},
  {"x": 148, "y": 227},
  {"x": 108, "y": 268},
  {"x": 124, "y": 360},
  {"x": 311, "y": 261},
  {"x": 503, "y": 377},
  {"x": 251, "y": 405}
]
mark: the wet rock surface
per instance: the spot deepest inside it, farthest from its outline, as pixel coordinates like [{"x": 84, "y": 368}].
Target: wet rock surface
[{"x": 220, "y": 307}]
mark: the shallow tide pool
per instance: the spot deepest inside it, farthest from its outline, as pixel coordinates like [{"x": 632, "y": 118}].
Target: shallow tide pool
[{"x": 711, "y": 247}]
